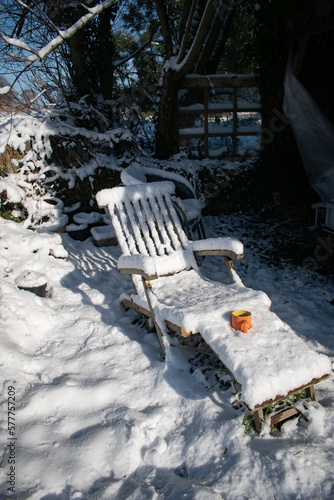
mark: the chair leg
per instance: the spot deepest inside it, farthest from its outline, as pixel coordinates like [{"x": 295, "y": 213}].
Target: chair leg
[
  {"x": 310, "y": 392},
  {"x": 258, "y": 419},
  {"x": 230, "y": 268},
  {"x": 148, "y": 291}
]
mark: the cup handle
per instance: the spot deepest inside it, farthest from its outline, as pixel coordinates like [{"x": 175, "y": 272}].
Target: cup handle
[{"x": 244, "y": 327}]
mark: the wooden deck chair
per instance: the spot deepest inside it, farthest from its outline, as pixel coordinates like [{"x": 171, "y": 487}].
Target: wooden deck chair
[{"x": 270, "y": 362}]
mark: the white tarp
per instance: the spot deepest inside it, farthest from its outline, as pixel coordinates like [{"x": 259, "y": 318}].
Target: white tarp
[{"x": 314, "y": 135}]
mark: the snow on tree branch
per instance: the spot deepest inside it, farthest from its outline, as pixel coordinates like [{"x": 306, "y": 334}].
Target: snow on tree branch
[{"x": 39, "y": 55}]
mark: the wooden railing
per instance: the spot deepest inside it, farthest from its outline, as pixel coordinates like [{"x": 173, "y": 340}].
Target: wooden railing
[{"x": 206, "y": 109}]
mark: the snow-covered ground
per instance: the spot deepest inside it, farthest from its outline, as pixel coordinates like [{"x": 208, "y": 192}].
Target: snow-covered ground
[{"x": 99, "y": 415}]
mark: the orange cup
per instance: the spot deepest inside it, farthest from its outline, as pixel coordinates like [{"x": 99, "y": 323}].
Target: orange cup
[{"x": 241, "y": 320}]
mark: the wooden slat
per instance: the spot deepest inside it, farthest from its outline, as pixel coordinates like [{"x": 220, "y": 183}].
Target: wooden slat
[
  {"x": 133, "y": 222},
  {"x": 161, "y": 226},
  {"x": 174, "y": 218},
  {"x": 178, "y": 329},
  {"x": 227, "y": 253},
  {"x": 227, "y": 108},
  {"x": 201, "y": 135},
  {"x": 130, "y": 304},
  {"x": 283, "y": 415},
  {"x": 140, "y": 272},
  {"x": 169, "y": 223},
  {"x": 120, "y": 223},
  {"x": 157, "y": 232},
  {"x": 145, "y": 231},
  {"x": 218, "y": 81}
]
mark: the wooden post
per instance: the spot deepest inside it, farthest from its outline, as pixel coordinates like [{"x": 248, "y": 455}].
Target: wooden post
[
  {"x": 235, "y": 120},
  {"x": 258, "y": 419},
  {"x": 310, "y": 392},
  {"x": 206, "y": 123}
]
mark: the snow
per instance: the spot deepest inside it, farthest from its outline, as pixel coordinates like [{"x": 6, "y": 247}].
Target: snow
[
  {"x": 31, "y": 182},
  {"x": 83, "y": 218},
  {"x": 99, "y": 415},
  {"x": 136, "y": 174},
  {"x": 4, "y": 90},
  {"x": 101, "y": 233},
  {"x": 162, "y": 265},
  {"x": 225, "y": 243},
  {"x": 39, "y": 55},
  {"x": 30, "y": 279},
  {"x": 109, "y": 198}
]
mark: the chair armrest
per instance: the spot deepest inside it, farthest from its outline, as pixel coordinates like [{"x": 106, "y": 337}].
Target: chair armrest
[
  {"x": 138, "y": 264},
  {"x": 229, "y": 247}
]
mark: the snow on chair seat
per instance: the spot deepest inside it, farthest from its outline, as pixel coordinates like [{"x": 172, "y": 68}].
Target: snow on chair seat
[
  {"x": 270, "y": 361},
  {"x": 186, "y": 202}
]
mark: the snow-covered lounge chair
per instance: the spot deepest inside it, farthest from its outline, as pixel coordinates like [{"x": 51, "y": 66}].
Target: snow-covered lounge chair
[{"x": 270, "y": 361}]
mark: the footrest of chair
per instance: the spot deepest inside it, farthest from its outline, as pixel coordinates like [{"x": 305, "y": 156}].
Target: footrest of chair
[{"x": 282, "y": 415}]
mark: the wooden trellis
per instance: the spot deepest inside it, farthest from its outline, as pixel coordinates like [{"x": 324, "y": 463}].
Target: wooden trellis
[{"x": 205, "y": 83}]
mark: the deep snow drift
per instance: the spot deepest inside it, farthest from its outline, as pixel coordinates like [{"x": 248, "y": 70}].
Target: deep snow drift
[{"x": 100, "y": 416}]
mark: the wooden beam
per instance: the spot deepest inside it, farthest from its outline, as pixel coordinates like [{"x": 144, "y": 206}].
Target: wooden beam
[
  {"x": 206, "y": 122},
  {"x": 218, "y": 81},
  {"x": 310, "y": 392},
  {"x": 280, "y": 416},
  {"x": 139, "y": 272},
  {"x": 178, "y": 329},
  {"x": 130, "y": 304},
  {"x": 258, "y": 419},
  {"x": 226, "y": 253},
  {"x": 235, "y": 120}
]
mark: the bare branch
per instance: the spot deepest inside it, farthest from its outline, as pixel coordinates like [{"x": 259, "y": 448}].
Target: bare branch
[
  {"x": 165, "y": 27},
  {"x": 190, "y": 11},
  {"x": 63, "y": 36},
  {"x": 131, "y": 56},
  {"x": 15, "y": 42},
  {"x": 203, "y": 30},
  {"x": 43, "y": 15}
]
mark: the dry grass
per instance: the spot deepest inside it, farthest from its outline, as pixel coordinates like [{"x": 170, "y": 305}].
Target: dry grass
[{"x": 6, "y": 158}]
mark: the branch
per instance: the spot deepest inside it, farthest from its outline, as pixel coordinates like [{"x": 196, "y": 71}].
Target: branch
[
  {"x": 216, "y": 38},
  {"x": 19, "y": 25},
  {"x": 137, "y": 51},
  {"x": 60, "y": 39},
  {"x": 188, "y": 61},
  {"x": 210, "y": 12},
  {"x": 42, "y": 13},
  {"x": 16, "y": 42},
  {"x": 160, "y": 5},
  {"x": 189, "y": 11}
]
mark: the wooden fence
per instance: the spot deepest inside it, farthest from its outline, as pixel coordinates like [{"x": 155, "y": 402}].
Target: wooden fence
[{"x": 232, "y": 84}]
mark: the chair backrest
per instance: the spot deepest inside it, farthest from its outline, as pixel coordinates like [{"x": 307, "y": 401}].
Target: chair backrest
[{"x": 144, "y": 218}]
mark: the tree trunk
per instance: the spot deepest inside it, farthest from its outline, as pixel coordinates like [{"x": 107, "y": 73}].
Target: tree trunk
[
  {"x": 166, "y": 140},
  {"x": 80, "y": 77},
  {"x": 106, "y": 50}
]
